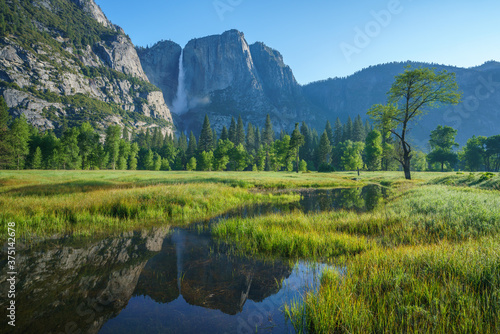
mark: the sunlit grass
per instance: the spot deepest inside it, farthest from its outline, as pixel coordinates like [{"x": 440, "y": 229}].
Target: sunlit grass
[{"x": 443, "y": 288}]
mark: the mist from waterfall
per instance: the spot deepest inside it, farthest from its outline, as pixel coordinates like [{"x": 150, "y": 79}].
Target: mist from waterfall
[{"x": 180, "y": 103}]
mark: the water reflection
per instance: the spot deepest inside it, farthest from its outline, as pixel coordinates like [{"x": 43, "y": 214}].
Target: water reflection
[{"x": 163, "y": 280}]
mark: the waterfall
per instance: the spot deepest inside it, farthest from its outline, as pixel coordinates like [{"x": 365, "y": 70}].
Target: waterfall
[{"x": 180, "y": 103}]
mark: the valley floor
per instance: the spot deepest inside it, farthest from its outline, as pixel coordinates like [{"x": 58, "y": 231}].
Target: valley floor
[{"x": 425, "y": 260}]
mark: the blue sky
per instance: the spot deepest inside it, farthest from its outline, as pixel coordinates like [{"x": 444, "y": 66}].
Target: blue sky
[{"x": 326, "y": 38}]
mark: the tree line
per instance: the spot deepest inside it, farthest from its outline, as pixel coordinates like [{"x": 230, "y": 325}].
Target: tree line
[{"x": 349, "y": 146}]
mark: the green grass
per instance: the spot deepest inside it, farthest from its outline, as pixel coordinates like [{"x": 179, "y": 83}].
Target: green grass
[
  {"x": 443, "y": 288},
  {"x": 46, "y": 203},
  {"x": 426, "y": 261}
]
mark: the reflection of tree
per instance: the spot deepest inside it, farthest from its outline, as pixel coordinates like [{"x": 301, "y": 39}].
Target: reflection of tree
[{"x": 373, "y": 196}]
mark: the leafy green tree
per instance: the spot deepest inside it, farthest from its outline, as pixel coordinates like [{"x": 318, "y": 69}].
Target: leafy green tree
[
  {"x": 87, "y": 139},
  {"x": 112, "y": 143},
  {"x": 472, "y": 154},
  {"x": 191, "y": 165},
  {"x": 221, "y": 154},
  {"x": 419, "y": 162},
  {"x": 411, "y": 93},
  {"x": 352, "y": 155},
  {"x": 374, "y": 150},
  {"x": 303, "y": 166},
  {"x": 6, "y": 154},
  {"x": 238, "y": 157},
  {"x": 442, "y": 143},
  {"x": 36, "y": 163},
  {"x": 205, "y": 161},
  {"x": 281, "y": 153},
  {"x": 492, "y": 153},
  {"x": 206, "y": 142},
  {"x": 69, "y": 151},
  {"x": 124, "y": 154},
  {"x": 148, "y": 162},
  {"x": 132, "y": 158},
  {"x": 165, "y": 165},
  {"x": 296, "y": 141},
  {"x": 157, "y": 160},
  {"x": 19, "y": 136}
]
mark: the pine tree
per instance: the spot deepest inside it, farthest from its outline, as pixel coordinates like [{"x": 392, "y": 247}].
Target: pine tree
[
  {"x": 147, "y": 139},
  {"x": 324, "y": 150},
  {"x": 157, "y": 140},
  {"x": 347, "y": 131},
  {"x": 125, "y": 134},
  {"x": 232, "y": 130},
  {"x": 258, "y": 139},
  {"x": 224, "y": 134},
  {"x": 240, "y": 132},
  {"x": 69, "y": 152},
  {"x": 358, "y": 130},
  {"x": 337, "y": 134},
  {"x": 132, "y": 158},
  {"x": 329, "y": 131},
  {"x": 206, "y": 137},
  {"x": 37, "y": 159},
  {"x": 268, "y": 132},
  {"x": 296, "y": 141},
  {"x": 250, "y": 140},
  {"x": 182, "y": 143},
  {"x": 149, "y": 160},
  {"x": 192, "y": 147}
]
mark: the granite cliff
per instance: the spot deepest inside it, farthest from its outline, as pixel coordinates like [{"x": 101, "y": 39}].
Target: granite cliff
[{"x": 63, "y": 62}]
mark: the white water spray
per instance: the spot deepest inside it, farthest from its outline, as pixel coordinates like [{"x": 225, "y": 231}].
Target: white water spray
[{"x": 180, "y": 103}]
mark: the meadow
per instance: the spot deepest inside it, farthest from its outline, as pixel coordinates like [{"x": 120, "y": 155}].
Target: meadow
[{"x": 425, "y": 260}]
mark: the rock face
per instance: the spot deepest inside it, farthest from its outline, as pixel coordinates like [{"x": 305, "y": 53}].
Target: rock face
[
  {"x": 65, "y": 284},
  {"x": 224, "y": 78},
  {"x": 55, "y": 81},
  {"x": 161, "y": 65}
]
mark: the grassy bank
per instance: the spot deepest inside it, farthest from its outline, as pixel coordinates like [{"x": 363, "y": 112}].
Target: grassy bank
[
  {"x": 46, "y": 203},
  {"x": 428, "y": 261}
]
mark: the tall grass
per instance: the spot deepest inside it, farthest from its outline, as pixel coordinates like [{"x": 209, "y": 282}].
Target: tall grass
[
  {"x": 445, "y": 288},
  {"x": 104, "y": 210}
]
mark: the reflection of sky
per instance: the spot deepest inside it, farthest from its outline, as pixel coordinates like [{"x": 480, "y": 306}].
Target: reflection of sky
[{"x": 143, "y": 315}]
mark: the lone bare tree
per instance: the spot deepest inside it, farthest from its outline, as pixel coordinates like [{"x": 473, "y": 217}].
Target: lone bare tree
[{"x": 410, "y": 95}]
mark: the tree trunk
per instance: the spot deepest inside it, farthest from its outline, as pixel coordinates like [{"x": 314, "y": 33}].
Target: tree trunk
[
  {"x": 442, "y": 167},
  {"x": 406, "y": 164}
]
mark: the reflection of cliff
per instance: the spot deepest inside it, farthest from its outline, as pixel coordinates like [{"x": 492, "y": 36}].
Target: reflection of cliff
[
  {"x": 205, "y": 278},
  {"x": 64, "y": 286}
]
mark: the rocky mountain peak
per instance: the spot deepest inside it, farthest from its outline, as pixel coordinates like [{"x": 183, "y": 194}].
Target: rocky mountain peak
[{"x": 91, "y": 8}]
